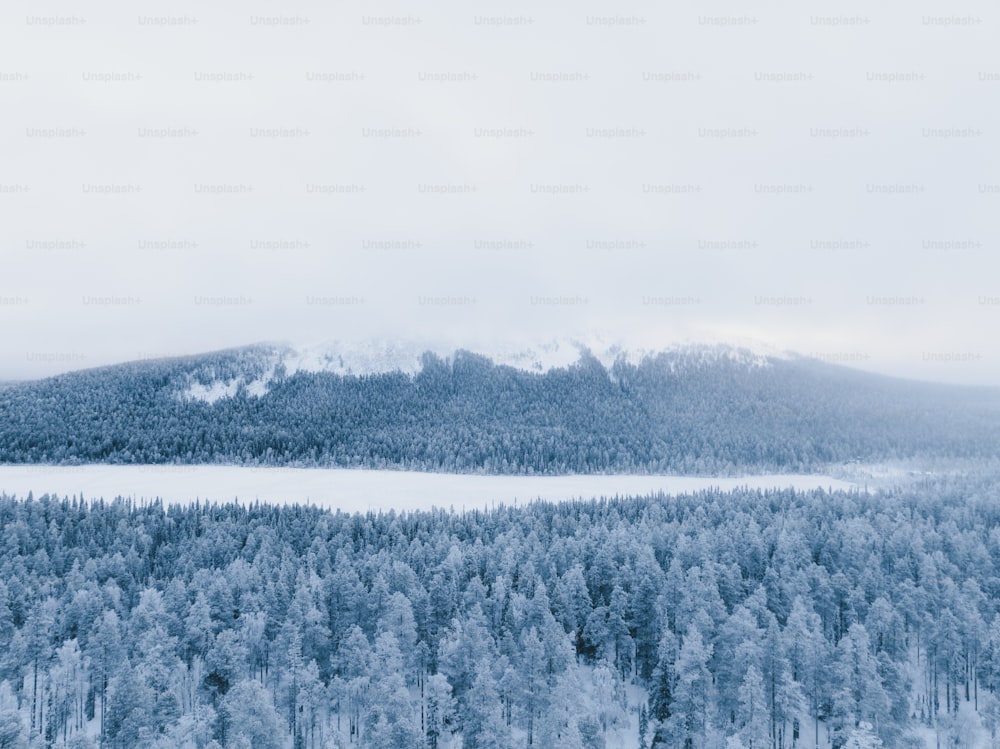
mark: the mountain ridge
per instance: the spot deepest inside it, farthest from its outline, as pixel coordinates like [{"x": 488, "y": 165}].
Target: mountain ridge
[{"x": 389, "y": 357}]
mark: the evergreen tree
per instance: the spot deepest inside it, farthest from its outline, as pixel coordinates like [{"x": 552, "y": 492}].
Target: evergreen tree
[
  {"x": 643, "y": 726},
  {"x": 481, "y": 718},
  {"x": 247, "y": 718},
  {"x": 12, "y": 734},
  {"x": 534, "y": 687},
  {"x": 752, "y": 715},
  {"x": 559, "y": 725},
  {"x": 661, "y": 694},
  {"x": 809, "y": 658},
  {"x": 688, "y": 725},
  {"x": 858, "y": 695},
  {"x": 440, "y": 710},
  {"x": 390, "y": 720}
]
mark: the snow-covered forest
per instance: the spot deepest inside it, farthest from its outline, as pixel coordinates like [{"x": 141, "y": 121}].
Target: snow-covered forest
[
  {"x": 692, "y": 412},
  {"x": 747, "y": 619}
]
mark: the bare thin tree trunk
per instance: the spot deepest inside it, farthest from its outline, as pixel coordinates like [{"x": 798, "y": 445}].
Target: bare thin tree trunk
[{"x": 34, "y": 696}]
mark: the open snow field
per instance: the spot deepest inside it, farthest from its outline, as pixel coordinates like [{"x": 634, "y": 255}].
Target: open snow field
[{"x": 356, "y": 490}]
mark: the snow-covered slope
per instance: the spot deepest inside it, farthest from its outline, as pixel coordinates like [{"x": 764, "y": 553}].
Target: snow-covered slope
[
  {"x": 376, "y": 356},
  {"x": 380, "y": 356}
]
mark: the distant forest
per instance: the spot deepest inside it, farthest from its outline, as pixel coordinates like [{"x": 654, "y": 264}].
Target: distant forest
[
  {"x": 672, "y": 413},
  {"x": 744, "y": 620}
]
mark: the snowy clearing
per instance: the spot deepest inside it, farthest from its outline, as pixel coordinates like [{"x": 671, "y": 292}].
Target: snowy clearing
[{"x": 357, "y": 490}]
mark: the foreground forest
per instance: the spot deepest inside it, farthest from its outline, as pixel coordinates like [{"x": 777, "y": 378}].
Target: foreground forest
[
  {"x": 746, "y": 619},
  {"x": 695, "y": 411}
]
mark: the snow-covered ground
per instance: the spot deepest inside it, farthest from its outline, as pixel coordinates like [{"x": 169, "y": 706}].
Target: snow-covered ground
[{"x": 355, "y": 490}]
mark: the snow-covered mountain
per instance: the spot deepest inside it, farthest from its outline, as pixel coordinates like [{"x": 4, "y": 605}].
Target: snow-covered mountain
[{"x": 558, "y": 407}]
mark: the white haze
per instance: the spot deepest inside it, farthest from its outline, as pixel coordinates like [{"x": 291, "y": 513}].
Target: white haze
[{"x": 821, "y": 179}]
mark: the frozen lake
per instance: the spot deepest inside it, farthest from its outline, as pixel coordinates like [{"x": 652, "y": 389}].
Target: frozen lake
[{"x": 356, "y": 490}]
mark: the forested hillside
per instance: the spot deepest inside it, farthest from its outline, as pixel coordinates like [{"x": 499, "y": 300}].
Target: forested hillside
[
  {"x": 679, "y": 412},
  {"x": 705, "y": 621}
]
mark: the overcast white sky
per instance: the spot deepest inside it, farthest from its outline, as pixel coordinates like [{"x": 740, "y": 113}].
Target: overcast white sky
[{"x": 822, "y": 177}]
